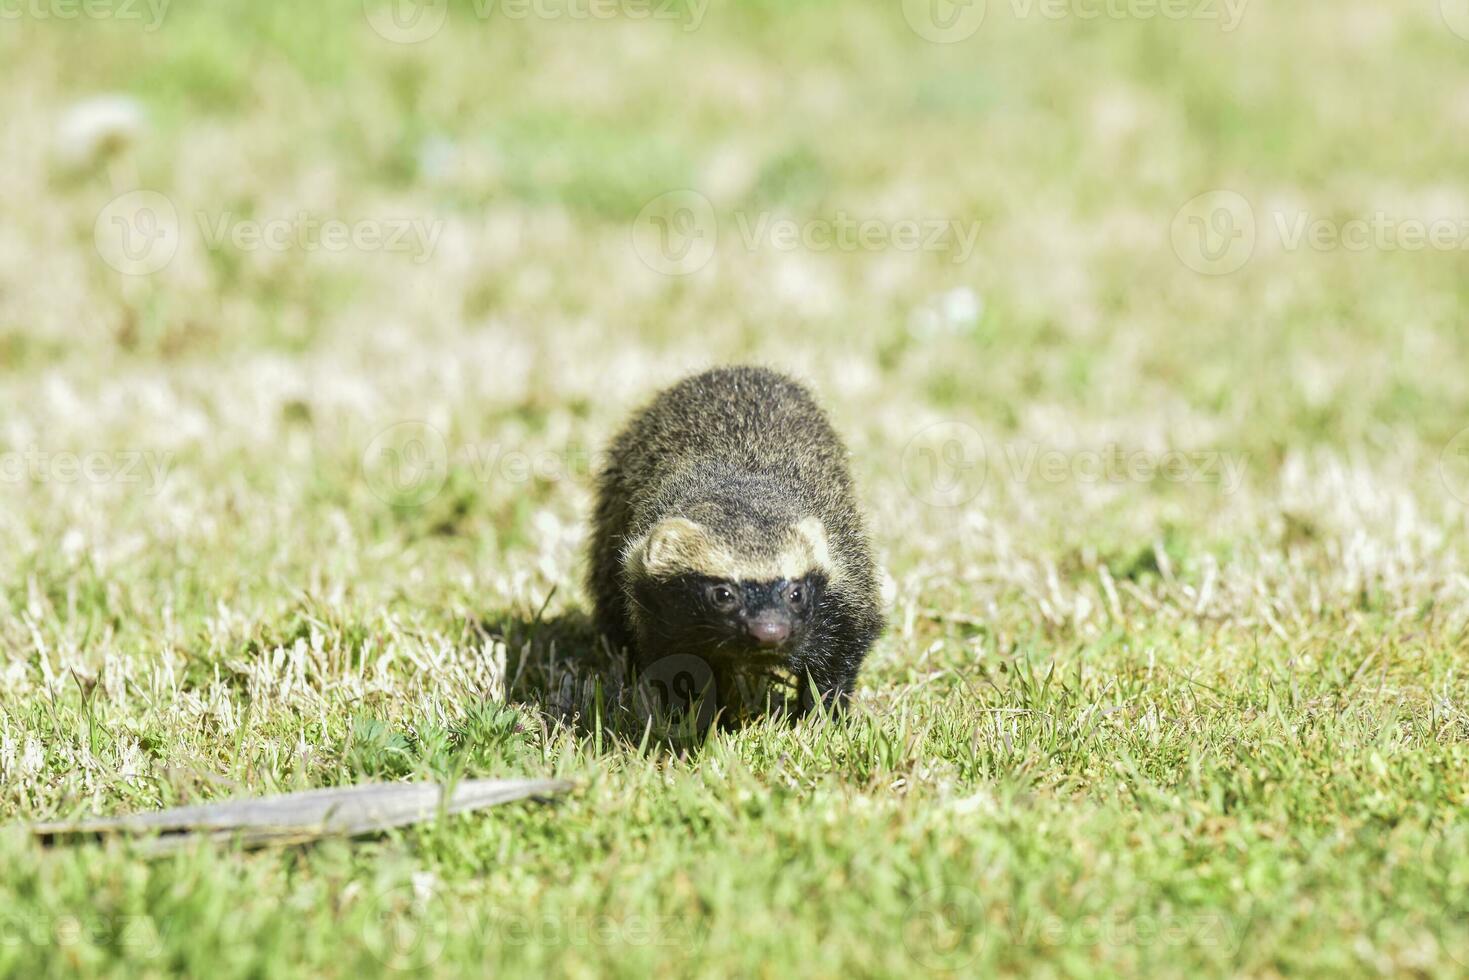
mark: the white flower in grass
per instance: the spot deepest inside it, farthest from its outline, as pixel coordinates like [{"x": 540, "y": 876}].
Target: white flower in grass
[
  {"x": 961, "y": 308},
  {"x": 94, "y": 130},
  {"x": 33, "y": 759},
  {"x": 437, "y": 158},
  {"x": 425, "y": 885},
  {"x": 73, "y": 543},
  {"x": 887, "y": 589},
  {"x": 952, "y": 313},
  {"x": 129, "y": 760}
]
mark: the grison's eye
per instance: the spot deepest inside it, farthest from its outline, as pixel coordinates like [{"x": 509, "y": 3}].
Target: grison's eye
[
  {"x": 797, "y": 596},
  {"x": 723, "y": 596}
]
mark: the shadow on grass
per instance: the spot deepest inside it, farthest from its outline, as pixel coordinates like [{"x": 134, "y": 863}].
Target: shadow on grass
[{"x": 564, "y": 668}]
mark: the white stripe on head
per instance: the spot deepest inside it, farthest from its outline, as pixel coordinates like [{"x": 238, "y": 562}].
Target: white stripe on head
[{"x": 678, "y": 546}]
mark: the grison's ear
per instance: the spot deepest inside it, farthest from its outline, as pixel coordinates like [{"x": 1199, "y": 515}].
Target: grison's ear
[
  {"x": 813, "y": 533},
  {"x": 675, "y": 545}
]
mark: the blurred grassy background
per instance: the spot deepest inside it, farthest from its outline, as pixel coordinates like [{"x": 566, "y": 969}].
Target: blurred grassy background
[{"x": 531, "y": 148}]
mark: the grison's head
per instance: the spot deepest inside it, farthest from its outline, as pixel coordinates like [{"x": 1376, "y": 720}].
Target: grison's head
[{"x": 740, "y": 592}]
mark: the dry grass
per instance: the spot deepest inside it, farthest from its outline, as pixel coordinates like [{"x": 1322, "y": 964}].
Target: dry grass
[{"x": 1202, "y": 714}]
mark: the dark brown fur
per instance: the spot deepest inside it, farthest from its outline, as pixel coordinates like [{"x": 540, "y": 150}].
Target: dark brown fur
[{"x": 748, "y": 456}]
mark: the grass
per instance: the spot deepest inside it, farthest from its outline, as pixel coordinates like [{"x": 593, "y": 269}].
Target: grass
[{"x": 1130, "y": 715}]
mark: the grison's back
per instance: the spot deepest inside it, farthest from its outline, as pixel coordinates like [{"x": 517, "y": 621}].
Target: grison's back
[{"x": 739, "y": 420}]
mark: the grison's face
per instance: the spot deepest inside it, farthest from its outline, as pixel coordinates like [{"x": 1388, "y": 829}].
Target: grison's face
[
  {"x": 694, "y": 590},
  {"x": 744, "y": 619}
]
